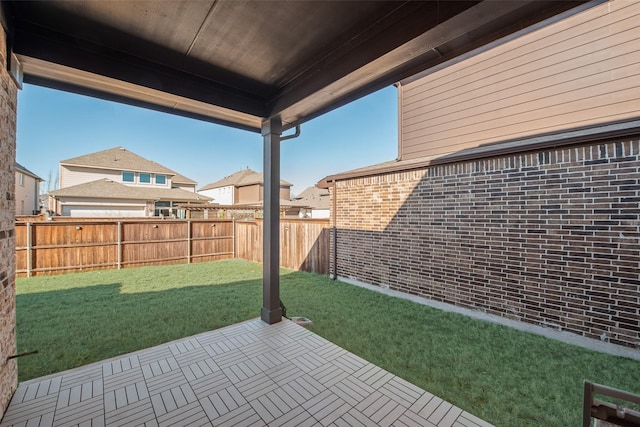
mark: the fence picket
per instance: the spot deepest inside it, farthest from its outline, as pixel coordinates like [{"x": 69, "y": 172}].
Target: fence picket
[{"x": 67, "y": 245}]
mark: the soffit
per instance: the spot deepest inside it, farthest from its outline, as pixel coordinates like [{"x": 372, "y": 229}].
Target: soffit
[{"x": 237, "y": 62}]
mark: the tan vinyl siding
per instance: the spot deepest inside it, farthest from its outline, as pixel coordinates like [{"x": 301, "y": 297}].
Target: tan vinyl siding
[
  {"x": 581, "y": 71},
  {"x": 285, "y": 193},
  {"x": 72, "y": 175},
  {"x": 249, "y": 194}
]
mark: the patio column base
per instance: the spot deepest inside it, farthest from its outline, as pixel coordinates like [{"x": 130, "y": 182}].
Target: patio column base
[{"x": 271, "y": 316}]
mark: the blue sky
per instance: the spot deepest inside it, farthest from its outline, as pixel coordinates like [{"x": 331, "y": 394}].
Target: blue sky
[{"x": 55, "y": 125}]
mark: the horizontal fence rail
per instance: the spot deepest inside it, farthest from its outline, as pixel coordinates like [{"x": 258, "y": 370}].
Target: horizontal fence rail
[{"x": 60, "y": 246}]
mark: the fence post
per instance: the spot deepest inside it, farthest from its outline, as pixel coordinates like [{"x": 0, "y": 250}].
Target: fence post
[
  {"x": 29, "y": 249},
  {"x": 233, "y": 237},
  {"x": 189, "y": 242},
  {"x": 119, "y": 244}
]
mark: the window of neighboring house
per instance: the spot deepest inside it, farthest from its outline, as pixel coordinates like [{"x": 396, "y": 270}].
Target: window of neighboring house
[
  {"x": 144, "y": 178},
  {"x": 162, "y": 209},
  {"x": 128, "y": 176},
  {"x": 21, "y": 179},
  {"x": 161, "y": 179}
]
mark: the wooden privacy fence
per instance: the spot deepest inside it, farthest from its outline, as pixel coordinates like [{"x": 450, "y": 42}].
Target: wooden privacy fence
[
  {"x": 304, "y": 243},
  {"x": 67, "y": 246}
]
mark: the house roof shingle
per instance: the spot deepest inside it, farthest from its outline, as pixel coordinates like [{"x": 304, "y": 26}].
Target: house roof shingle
[
  {"x": 241, "y": 178},
  {"x": 315, "y": 198},
  {"x": 119, "y": 158},
  {"x": 108, "y": 189},
  {"x": 20, "y": 168}
]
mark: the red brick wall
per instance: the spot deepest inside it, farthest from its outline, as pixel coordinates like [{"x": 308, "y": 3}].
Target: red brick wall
[
  {"x": 550, "y": 238},
  {"x": 8, "y": 96}
]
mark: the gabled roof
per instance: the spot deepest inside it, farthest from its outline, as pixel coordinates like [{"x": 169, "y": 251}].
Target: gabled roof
[
  {"x": 20, "y": 168},
  {"x": 119, "y": 158},
  {"x": 314, "y": 197},
  {"x": 108, "y": 189},
  {"x": 181, "y": 179},
  {"x": 241, "y": 178}
]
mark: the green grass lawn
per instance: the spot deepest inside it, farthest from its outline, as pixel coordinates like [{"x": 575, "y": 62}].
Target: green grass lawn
[{"x": 508, "y": 377}]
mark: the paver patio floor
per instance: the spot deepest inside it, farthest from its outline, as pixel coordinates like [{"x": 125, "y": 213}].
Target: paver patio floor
[{"x": 248, "y": 374}]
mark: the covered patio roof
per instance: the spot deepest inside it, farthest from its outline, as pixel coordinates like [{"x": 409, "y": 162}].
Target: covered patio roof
[
  {"x": 238, "y": 62},
  {"x": 263, "y": 66}
]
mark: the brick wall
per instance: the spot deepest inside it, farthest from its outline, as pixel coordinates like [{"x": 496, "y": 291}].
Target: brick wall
[
  {"x": 8, "y": 97},
  {"x": 550, "y": 238}
]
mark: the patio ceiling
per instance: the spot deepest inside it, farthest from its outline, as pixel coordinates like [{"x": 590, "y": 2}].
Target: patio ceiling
[{"x": 238, "y": 62}]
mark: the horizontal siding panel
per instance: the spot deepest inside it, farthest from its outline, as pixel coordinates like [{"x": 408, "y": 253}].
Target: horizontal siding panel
[
  {"x": 582, "y": 71},
  {"x": 529, "y": 48},
  {"x": 528, "y": 84},
  {"x": 551, "y": 123},
  {"x": 509, "y": 111},
  {"x": 71, "y": 176}
]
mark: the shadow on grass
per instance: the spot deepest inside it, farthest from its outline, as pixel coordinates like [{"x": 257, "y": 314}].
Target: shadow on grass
[
  {"x": 73, "y": 327},
  {"x": 502, "y": 375}
]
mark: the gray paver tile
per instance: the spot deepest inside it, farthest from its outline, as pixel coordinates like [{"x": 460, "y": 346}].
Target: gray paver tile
[
  {"x": 327, "y": 410},
  {"x": 120, "y": 365},
  {"x": 228, "y": 358},
  {"x": 188, "y": 415},
  {"x": 30, "y": 409},
  {"x": 303, "y": 388},
  {"x": 134, "y": 414},
  {"x": 79, "y": 412},
  {"x": 154, "y": 354},
  {"x": 373, "y": 375},
  {"x": 404, "y": 393},
  {"x": 309, "y": 362},
  {"x": 411, "y": 419},
  {"x": 241, "y": 371},
  {"x": 123, "y": 379},
  {"x": 356, "y": 418},
  {"x": 284, "y": 373},
  {"x": 294, "y": 418},
  {"x": 352, "y": 390},
  {"x": 349, "y": 362},
  {"x": 328, "y": 374},
  {"x": 256, "y": 386},
  {"x": 422, "y": 401},
  {"x": 440, "y": 412},
  {"x": 243, "y": 415},
  {"x": 451, "y": 416},
  {"x": 163, "y": 382},
  {"x": 249, "y": 374},
  {"x": 222, "y": 402},
  {"x": 192, "y": 356},
  {"x": 209, "y": 384},
  {"x": 430, "y": 407},
  {"x": 472, "y": 420}
]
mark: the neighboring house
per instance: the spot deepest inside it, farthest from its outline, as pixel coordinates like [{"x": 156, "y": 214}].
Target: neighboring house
[
  {"x": 245, "y": 187},
  {"x": 314, "y": 203},
  {"x": 516, "y": 188},
  {"x": 27, "y": 191},
  {"x": 119, "y": 183}
]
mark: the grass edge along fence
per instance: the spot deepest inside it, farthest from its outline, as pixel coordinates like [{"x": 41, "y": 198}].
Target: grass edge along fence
[{"x": 55, "y": 247}]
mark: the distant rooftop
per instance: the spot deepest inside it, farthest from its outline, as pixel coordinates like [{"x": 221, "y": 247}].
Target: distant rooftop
[
  {"x": 241, "y": 178},
  {"x": 20, "y": 168},
  {"x": 314, "y": 197},
  {"x": 108, "y": 189},
  {"x": 119, "y": 158}
]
